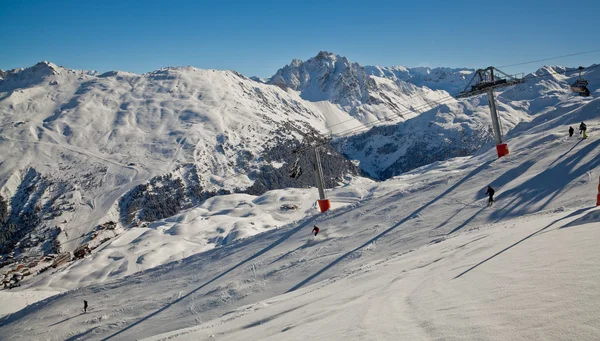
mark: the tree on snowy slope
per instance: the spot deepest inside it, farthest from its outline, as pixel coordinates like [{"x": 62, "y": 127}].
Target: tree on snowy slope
[
  {"x": 164, "y": 196},
  {"x": 3, "y": 211},
  {"x": 335, "y": 166}
]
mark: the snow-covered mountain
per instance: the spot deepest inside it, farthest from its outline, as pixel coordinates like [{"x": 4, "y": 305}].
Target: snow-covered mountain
[
  {"x": 366, "y": 97},
  {"x": 440, "y": 78},
  {"x": 326, "y": 77},
  {"x": 79, "y": 147}
]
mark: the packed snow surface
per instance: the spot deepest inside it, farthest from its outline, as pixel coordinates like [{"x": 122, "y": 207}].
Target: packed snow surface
[
  {"x": 13, "y": 301},
  {"x": 419, "y": 257},
  {"x": 219, "y": 221}
]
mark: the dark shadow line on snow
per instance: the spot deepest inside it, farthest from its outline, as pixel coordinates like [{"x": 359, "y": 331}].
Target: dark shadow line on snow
[
  {"x": 263, "y": 251},
  {"x": 472, "y": 241},
  {"x": 522, "y": 240},
  {"x": 465, "y": 205},
  {"x": 272, "y": 317},
  {"x": 548, "y": 184},
  {"x": 466, "y": 222},
  {"x": 405, "y": 219},
  {"x": 565, "y": 153},
  {"x": 307, "y": 244},
  {"x": 77, "y": 336},
  {"x": 498, "y": 184},
  {"x": 65, "y": 320},
  {"x": 286, "y": 254},
  {"x": 590, "y": 218}
]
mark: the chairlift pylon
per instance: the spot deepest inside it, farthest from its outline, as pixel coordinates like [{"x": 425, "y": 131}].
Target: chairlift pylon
[{"x": 485, "y": 81}]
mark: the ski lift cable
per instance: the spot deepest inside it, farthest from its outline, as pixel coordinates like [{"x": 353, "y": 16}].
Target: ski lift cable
[
  {"x": 429, "y": 104},
  {"x": 551, "y": 58},
  {"x": 442, "y": 100},
  {"x": 503, "y": 66},
  {"x": 439, "y": 101},
  {"x": 344, "y": 133}
]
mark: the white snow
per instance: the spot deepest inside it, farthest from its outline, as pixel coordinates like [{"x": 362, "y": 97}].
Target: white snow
[
  {"x": 441, "y": 78},
  {"x": 13, "y": 301},
  {"x": 336, "y": 120},
  {"x": 366, "y": 95},
  {"x": 513, "y": 282},
  {"x": 464, "y": 125},
  {"x": 415, "y": 257}
]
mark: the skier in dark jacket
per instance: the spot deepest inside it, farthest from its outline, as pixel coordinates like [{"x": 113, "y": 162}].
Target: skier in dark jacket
[
  {"x": 85, "y": 306},
  {"x": 571, "y": 131},
  {"x": 315, "y": 230},
  {"x": 490, "y": 192},
  {"x": 582, "y": 129}
]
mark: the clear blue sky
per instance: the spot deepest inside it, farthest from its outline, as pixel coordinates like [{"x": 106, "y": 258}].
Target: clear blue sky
[{"x": 258, "y": 37}]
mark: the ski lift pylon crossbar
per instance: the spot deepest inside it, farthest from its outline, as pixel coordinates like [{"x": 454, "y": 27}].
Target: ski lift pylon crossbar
[{"x": 489, "y": 78}]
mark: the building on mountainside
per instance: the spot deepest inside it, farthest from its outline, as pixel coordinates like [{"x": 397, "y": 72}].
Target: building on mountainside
[
  {"x": 61, "y": 259},
  {"x": 81, "y": 251}
]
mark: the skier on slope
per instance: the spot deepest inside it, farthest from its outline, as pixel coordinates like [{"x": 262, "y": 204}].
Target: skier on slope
[
  {"x": 571, "y": 131},
  {"x": 582, "y": 129},
  {"x": 490, "y": 192},
  {"x": 85, "y": 306},
  {"x": 315, "y": 230}
]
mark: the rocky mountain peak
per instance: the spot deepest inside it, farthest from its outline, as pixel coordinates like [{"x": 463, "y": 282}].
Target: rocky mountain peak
[{"x": 326, "y": 76}]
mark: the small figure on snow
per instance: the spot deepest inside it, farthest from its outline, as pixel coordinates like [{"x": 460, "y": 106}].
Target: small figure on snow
[
  {"x": 490, "y": 192},
  {"x": 582, "y": 129},
  {"x": 571, "y": 131},
  {"x": 315, "y": 230},
  {"x": 85, "y": 306}
]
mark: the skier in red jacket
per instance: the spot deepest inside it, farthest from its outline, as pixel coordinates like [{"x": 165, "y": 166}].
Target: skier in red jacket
[{"x": 315, "y": 230}]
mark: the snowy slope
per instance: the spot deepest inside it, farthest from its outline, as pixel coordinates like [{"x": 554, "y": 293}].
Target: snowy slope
[
  {"x": 417, "y": 120},
  {"x": 417, "y": 257},
  {"x": 440, "y": 78},
  {"x": 525, "y": 279},
  {"x": 177, "y": 114},
  {"x": 219, "y": 221}
]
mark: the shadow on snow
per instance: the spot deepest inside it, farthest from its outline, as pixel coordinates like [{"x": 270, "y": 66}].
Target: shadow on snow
[
  {"x": 405, "y": 219},
  {"x": 522, "y": 240}
]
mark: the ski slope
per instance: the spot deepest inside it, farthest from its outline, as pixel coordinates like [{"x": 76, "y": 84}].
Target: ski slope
[
  {"x": 521, "y": 280},
  {"x": 416, "y": 257},
  {"x": 217, "y": 222}
]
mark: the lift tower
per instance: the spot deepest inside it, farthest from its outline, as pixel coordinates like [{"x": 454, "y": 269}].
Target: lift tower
[
  {"x": 324, "y": 203},
  {"x": 485, "y": 81}
]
